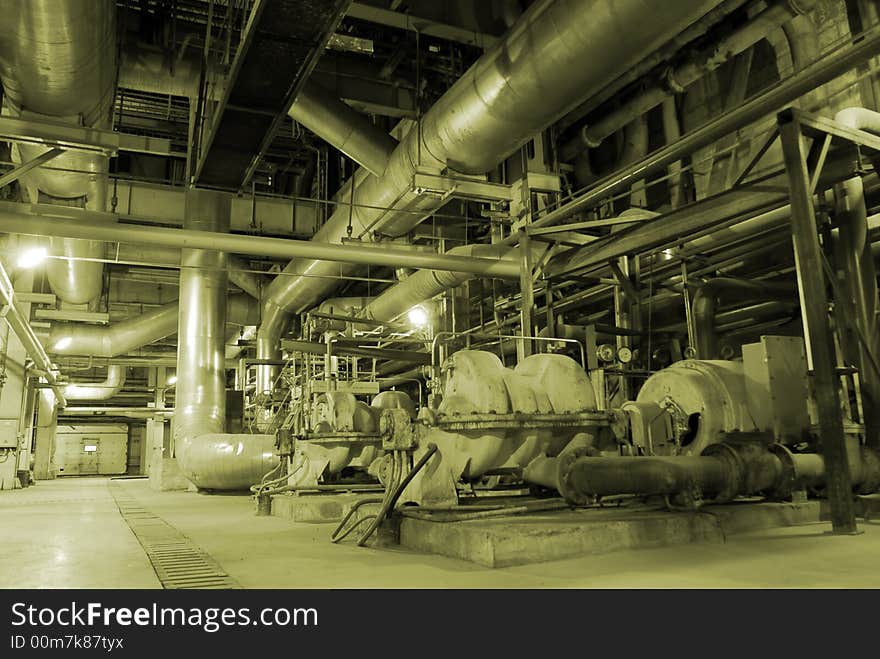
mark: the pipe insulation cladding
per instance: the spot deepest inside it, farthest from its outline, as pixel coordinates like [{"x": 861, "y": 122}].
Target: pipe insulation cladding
[
  {"x": 209, "y": 457},
  {"x": 557, "y": 54},
  {"x": 58, "y": 63}
]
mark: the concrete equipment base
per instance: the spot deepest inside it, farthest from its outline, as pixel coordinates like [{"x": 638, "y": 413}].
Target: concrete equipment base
[
  {"x": 317, "y": 508},
  {"x": 549, "y": 536}
]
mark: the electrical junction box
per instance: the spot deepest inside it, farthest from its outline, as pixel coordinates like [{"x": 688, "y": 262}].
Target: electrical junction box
[
  {"x": 777, "y": 389},
  {"x": 8, "y": 433}
]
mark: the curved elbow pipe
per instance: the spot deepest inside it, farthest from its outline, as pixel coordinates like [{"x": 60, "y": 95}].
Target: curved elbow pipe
[
  {"x": 345, "y": 128},
  {"x": 705, "y": 306},
  {"x": 207, "y": 456},
  {"x": 105, "y": 390}
]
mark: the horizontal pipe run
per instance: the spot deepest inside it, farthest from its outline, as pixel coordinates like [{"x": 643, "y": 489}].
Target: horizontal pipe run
[
  {"x": 28, "y": 219},
  {"x": 105, "y": 390}
]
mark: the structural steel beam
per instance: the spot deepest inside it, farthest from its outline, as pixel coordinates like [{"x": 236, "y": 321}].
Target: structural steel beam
[
  {"x": 77, "y": 138},
  {"x": 425, "y": 26},
  {"x": 818, "y": 333}
]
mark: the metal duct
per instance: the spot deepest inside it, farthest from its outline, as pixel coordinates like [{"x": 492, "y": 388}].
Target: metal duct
[
  {"x": 343, "y": 127},
  {"x": 557, "y": 53},
  {"x": 105, "y": 390},
  {"x": 425, "y": 284},
  {"x": 208, "y": 457},
  {"x": 58, "y": 62},
  {"x": 133, "y": 333}
]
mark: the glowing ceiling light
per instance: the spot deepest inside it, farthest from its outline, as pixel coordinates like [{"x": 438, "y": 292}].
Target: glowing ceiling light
[
  {"x": 418, "y": 317},
  {"x": 171, "y": 381},
  {"x": 63, "y": 342},
  {"x": 32, "y": 257}
]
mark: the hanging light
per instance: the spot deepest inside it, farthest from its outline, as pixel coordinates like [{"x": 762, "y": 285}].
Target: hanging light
[{"x": 32, "y": 257}]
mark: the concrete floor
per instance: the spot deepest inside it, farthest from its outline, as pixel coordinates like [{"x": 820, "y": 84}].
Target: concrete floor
[{"x": 68, "y": 533}]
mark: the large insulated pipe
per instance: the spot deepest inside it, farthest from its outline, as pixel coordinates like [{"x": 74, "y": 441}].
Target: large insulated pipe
[
  {"x": 58, "y": 63},
  {"x": 706, "y": 299},
  {"x": 680, "y": 77},
  {"x": 557, "y": 54},
  {"x": 424, "y": 284},
  {"x": 209, "y": 457},
  {"x": 105, "y": 390},
  {"x": 136, "y": 332},
  {"x": 343, "y": 127},
  {"x": 860, "y": 274}
]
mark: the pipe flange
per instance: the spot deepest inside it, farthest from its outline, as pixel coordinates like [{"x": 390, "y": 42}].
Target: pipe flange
[
  {"x": 728, "y": 455},
  {"x": 789, "y": 478},
  {"x": 870, "y": 471},
  {"x": 565, "y": 466}
]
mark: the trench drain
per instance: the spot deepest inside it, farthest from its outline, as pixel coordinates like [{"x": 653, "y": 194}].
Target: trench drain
[{"x": 178, "y": 563}]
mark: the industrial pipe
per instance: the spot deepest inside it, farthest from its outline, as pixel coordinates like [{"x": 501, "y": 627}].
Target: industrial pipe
[
  {"x": 344, "y": 127},
  {"x": 425, "y": 284},
  {"x": 829, "y": 67},
  {"x": 679, "y": 78},
  {"x": 20, "y": 326},
  {"x": 556, "y": 54},
  {"x": 105, "y": 390},
  {"x": 723, "y": 471},
  {"x": 133, "y": 333},
  {"x": 58, "y": 63},
  {"x": 706, "y": 300},
  {"x": 45, "y": 220},
  {"x": 209, "y": 457}
]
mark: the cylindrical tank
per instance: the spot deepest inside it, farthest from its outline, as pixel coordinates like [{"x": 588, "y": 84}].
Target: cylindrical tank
[{"x": 706, "y": 398}]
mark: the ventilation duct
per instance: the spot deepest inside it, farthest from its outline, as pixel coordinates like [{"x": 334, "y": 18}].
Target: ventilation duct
[
  {"x": 58, "y": 63},
  {"x": 557, "y": 54}
]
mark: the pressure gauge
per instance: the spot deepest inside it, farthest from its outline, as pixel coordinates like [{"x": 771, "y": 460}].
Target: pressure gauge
[
  {"x": 605, "y": 352},
  {"x": 624, "y": 355}
]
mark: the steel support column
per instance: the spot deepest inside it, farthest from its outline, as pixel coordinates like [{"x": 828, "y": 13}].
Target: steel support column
[
  {"x": 817, "y": 330},
  {"x": 527, "y": 298}
]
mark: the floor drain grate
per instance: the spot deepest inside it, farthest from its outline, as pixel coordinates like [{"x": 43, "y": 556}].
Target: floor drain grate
[{"x": 176, "y": 560}]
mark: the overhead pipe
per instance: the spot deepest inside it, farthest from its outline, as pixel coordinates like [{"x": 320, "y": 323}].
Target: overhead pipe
[
  {"x": 323, "y": 113},
  {"x": 209, "y": 457},
  {"x": 677, "y": 79},
  {"x": 344, "y": 127},
  {"x": 45, "y": 220},
  {"x": 557, "y": 53},
  {"x": 58, "y": 63},
  {"x": 240, "y": 273},
  {"x": 706, "y": 301},
  {"x": 105, "y": 390},
  {"x": 829, "y": 67},
  {"x": 127, "y": 335},
  {"x": 423, "y": 285}
]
